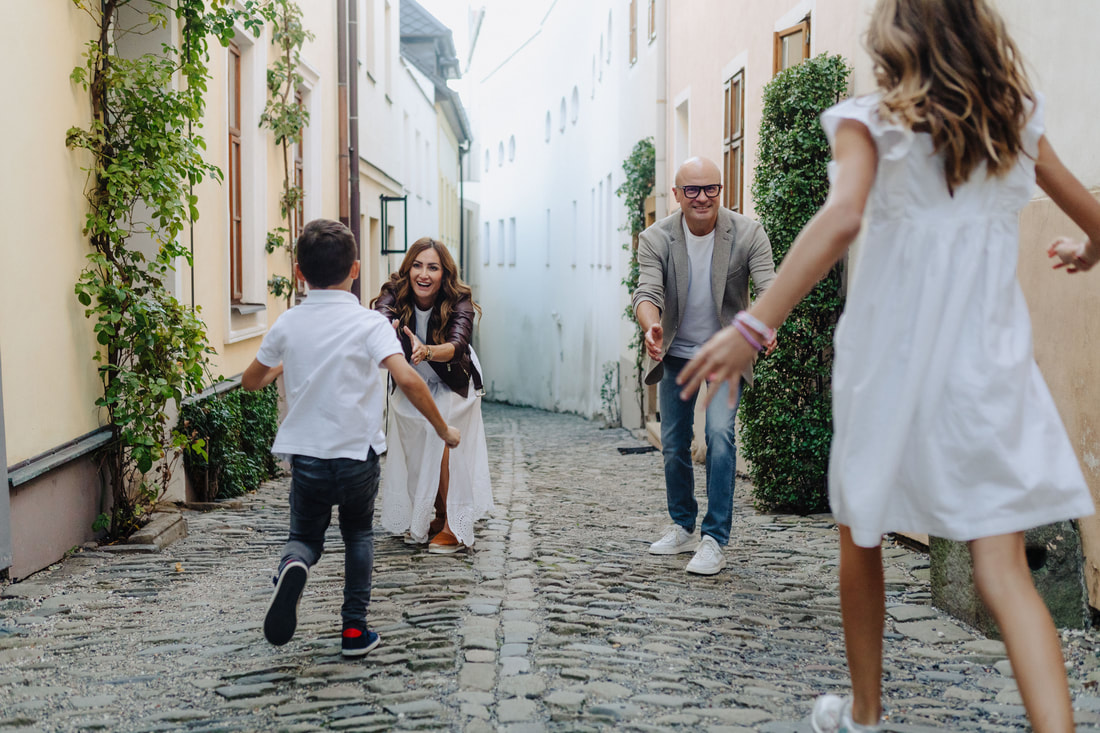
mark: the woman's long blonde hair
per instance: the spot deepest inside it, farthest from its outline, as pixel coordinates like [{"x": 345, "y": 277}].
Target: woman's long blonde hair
[
  {"x": 451, "y": 290},
  {"x": 948, "y": 67}
]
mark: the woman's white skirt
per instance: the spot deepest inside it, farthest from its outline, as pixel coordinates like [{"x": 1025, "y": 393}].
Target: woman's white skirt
[{"x": 415, "y": 454}]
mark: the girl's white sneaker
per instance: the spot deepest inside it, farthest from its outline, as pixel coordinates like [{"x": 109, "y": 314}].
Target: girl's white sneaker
[{"x": 833, "y": 714}]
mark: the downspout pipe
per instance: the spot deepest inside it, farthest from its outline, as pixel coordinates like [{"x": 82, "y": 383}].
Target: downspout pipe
[
  {"x": 342, "y": 107},
  {"x": 355, "y": 223}
]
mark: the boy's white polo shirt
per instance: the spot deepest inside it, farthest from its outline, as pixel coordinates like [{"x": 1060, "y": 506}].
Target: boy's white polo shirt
[{"x": 330, "y": 347}]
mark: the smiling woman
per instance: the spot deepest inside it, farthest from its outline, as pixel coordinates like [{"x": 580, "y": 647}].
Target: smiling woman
[{"x": 430, "y": 490}]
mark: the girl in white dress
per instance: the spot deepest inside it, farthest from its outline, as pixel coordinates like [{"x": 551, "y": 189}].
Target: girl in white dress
[
  {"x": 943, "y": 423},
  {"x": 430, "y": 491}
]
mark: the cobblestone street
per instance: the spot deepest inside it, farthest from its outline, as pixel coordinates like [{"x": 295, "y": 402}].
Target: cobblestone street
[{"x": 558, "y": 621}]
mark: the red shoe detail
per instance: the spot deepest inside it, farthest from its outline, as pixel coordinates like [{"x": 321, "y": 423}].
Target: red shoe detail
[{"x": 352, "y": 633}]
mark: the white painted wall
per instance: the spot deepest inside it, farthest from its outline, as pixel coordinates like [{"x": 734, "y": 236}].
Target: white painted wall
[{"x": 552, "y": 323}]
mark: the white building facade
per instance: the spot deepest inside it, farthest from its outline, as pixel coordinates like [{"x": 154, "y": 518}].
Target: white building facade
[{"x": 554, "y": 122}]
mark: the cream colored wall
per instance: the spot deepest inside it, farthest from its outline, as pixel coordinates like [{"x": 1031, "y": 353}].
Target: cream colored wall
[
  {"x": 47, "y": 345},
  {"x": 212, "y": 228}
]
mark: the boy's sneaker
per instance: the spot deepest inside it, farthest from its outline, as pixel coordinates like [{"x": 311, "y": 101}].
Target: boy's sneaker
[
  {"x": 708, "y": 558},
  {"x": 282, "y": 613},
  {"x": 833, "y": 714},
  {"x": 676, "y": 540},
  {"x": 356, "y": 641}
]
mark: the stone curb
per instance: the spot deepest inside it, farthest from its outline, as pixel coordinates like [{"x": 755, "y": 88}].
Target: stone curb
[{"x": 161, "y": 531}]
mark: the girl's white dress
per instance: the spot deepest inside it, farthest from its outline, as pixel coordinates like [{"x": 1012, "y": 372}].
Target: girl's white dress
[
  {"x": 943, "y": 423},
  {"x": 415, "y": 454}
]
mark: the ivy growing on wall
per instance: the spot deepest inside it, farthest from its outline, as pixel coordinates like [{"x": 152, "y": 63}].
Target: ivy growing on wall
[
  {"x": 641, "y": 172},
  {"x": 144, "y": 160},
  {"x": 786, "y": 418},
  {"x": 286, "y": 119}
]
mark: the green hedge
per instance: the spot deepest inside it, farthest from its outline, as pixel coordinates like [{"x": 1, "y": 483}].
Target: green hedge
[
  {"x": 237, "y": 428},
  {"x": 786, "y": 417}
]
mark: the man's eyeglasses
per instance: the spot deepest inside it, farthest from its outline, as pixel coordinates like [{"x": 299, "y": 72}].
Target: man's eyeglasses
[{"x": 693, "y": 191}]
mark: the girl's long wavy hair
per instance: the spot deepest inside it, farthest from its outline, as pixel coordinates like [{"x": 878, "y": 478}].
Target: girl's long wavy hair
[
  {"x": 949, "y": 68},
  {"x": 451, "y": 290}
]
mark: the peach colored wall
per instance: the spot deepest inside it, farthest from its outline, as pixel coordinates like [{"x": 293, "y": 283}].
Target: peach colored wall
[
  {"x": 1067, "y": 342},
  {"x": 705, "y": 36}
]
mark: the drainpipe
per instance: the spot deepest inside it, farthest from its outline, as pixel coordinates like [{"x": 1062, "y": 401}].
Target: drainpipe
[
  {"x": 660, "y": 179},
  {"x": 353, "y": 137},
  {"x": 342, "y": 106},
  {"x": 463, "y": 148}
]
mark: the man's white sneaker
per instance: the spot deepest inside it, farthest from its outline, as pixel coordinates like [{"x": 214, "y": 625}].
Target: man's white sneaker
[
  {"x": 676, "y": 540},
  {"x": 833, "y": 714},
  {"x": 708, "y": 558}
]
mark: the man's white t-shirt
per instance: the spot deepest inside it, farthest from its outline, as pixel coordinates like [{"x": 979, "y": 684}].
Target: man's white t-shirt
[
  {"x": 330, "y": 347},
  {"x": 700, "y": 319}
]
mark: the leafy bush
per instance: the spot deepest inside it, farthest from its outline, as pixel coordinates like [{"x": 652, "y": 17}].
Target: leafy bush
[
  {"x": 786, "y": 417},
  {"x": 236, "y": 430}
]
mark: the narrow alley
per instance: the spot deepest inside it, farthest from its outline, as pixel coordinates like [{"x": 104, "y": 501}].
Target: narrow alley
[{"x": 559, "y": 620}]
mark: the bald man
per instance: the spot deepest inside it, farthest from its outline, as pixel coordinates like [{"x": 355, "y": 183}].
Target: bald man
[{"x": 694, "y": 275}]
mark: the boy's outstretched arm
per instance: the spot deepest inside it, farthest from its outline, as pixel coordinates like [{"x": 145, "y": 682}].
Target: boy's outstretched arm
[
  {"x": 258, "y": 375},
  {"x": 409, "y": 382},
  {"x": 1074, "y": 199},
  {"x": 816, "y": 249}
]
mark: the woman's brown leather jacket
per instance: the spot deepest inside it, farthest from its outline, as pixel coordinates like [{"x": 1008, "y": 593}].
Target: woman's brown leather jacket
[{"x": 457, "y": 372}]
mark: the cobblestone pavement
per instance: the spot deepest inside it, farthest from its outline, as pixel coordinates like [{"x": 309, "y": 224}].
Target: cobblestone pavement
[{"x": 559, "y": 621}]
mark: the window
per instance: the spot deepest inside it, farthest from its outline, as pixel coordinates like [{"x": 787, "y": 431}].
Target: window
[
  {"x": 487, "y": 158},
  {"x": 733, "y": 137},
  {"x": 576, "y": 105},
  {"x": 500, "y": 153},
  {"x": 297, "y": 219},
  {"x": 486, "y": 248},
  {"x": 652, "y": 20},
  {"x": 792, "y": 45},
  {"x": 633, "y": 22},
  {"x": 561, "y": 116},
  {"x": 500, "y": 241},
  {"x": 512, "y": 241},
  {"x": 511, "y": 148},
  {"x": 549, "y": 125},
  {"x": 594, "y": 234},
  {"x": 573, "y": 239},
  {"x": 609, "y": 36},
  {"x": 236, "y": 221},
  {"x": 609, "y": 228}
]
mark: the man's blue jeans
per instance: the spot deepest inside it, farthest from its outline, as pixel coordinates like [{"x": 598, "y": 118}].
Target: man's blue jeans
[
  {"x": 318, "y": 484},
  {"x": 677, "y": 420}
]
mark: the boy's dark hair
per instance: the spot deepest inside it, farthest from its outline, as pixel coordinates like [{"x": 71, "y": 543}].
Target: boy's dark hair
[{"x": 326, "y": 251}]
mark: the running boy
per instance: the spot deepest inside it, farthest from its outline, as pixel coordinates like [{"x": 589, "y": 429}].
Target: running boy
[{"x": 328, "y": 350}]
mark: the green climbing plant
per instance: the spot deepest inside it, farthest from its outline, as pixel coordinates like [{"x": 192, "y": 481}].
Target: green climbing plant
[
  {"x": 786, "y": 417},
  {"x": 145, "y": 159},
  {"x": 640, "y": 168},
  {"x": 286, "y": 118}
]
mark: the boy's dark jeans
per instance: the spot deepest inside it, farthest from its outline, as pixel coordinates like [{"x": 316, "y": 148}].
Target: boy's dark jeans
[{"x": 317, "y": 484}]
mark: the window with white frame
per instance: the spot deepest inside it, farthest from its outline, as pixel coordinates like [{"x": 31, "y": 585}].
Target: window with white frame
[
  {"x": 486, "y": 247},
  {"x": 246, "y": 200}
]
